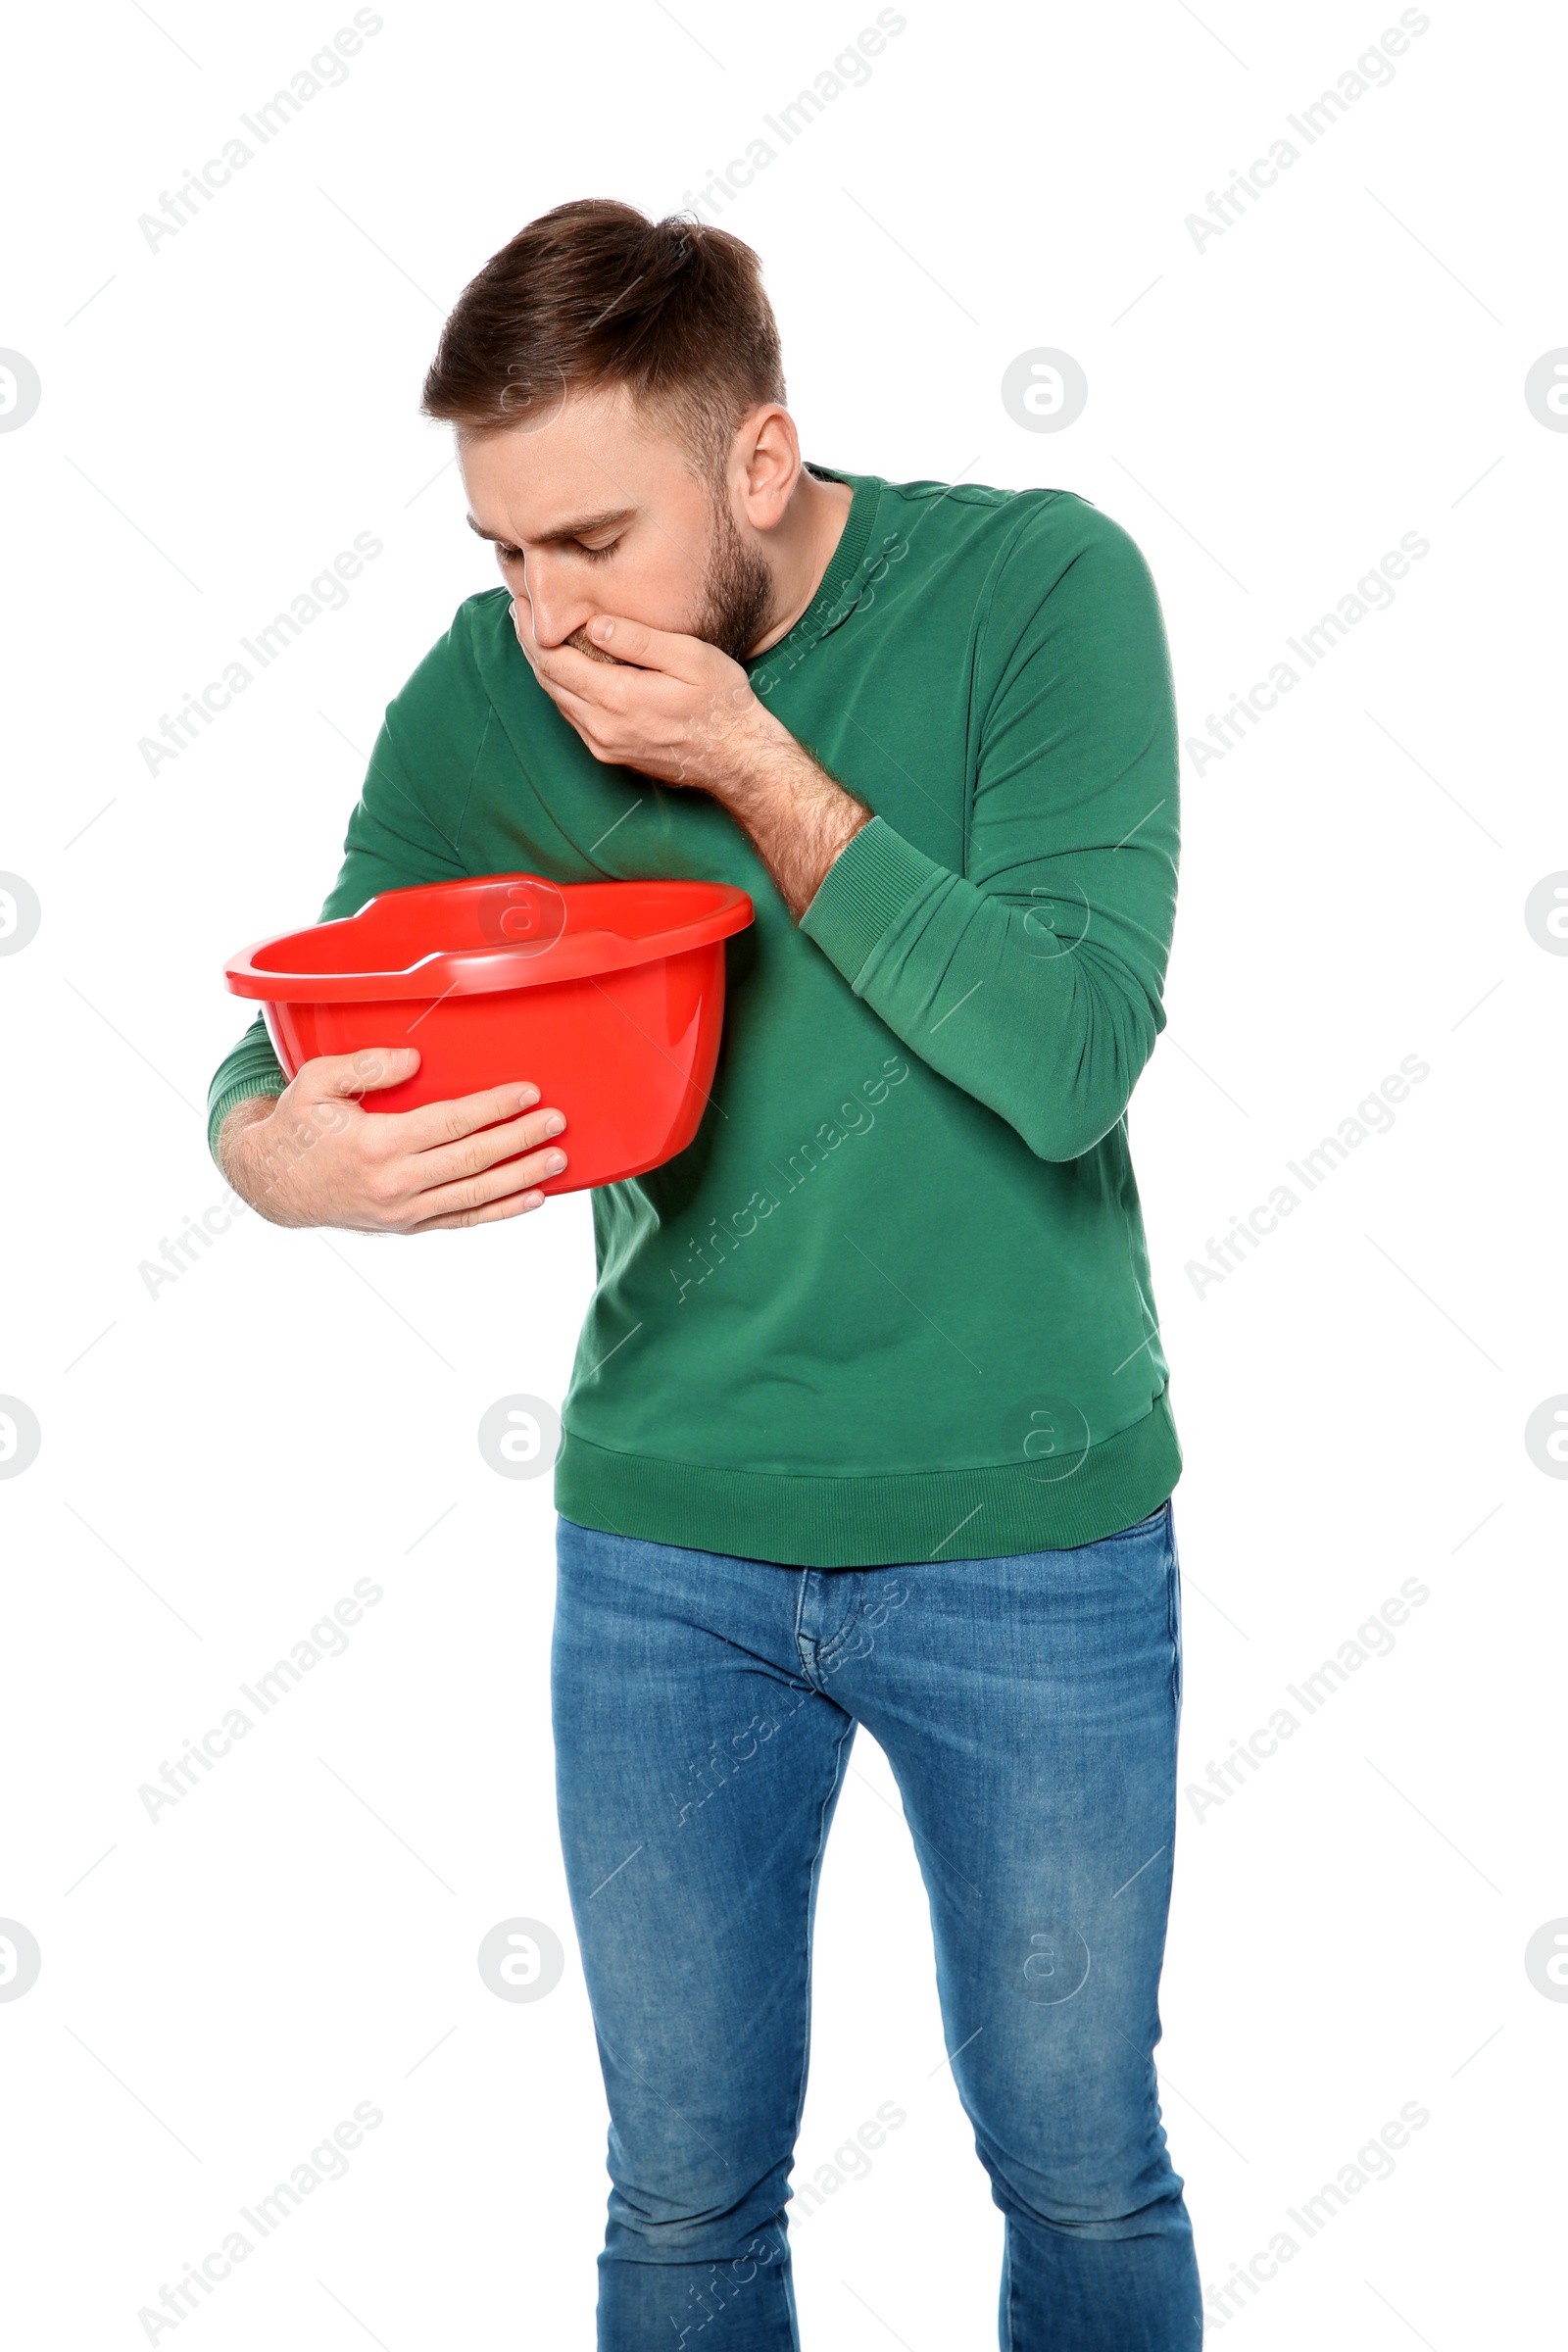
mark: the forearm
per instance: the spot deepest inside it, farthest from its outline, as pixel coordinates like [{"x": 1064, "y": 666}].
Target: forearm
[
  {"x": 244, "y": 1174},
  {"x": 797, "y": 816},
  {"x": 1045, "y": 1026}
]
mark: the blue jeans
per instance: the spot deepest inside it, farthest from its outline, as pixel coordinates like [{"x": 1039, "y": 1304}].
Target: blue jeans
[{"x": 704, "y": 1711}]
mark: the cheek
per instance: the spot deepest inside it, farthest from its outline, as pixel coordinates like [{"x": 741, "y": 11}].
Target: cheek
[{"x": 660, "y": 580}]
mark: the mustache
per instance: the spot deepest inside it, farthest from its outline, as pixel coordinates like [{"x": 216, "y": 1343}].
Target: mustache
[
  {"x": 579, "y": 640},
  {"x": 582, "y": 643}
]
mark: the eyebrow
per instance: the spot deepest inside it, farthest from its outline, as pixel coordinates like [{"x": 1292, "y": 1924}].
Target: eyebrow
[{"x": 581, "y": 528}]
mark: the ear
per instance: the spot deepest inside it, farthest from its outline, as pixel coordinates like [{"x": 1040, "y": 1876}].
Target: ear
[{"x": 765, "y": 465}]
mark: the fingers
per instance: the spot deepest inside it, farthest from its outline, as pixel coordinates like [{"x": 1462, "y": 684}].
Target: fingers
[
  {"x": 572, "y": 675},
  {"x": 583, "y": 713},
  {"x": 516, "y": 1206},
  {"x": 635, "y": 642},
  {"x": 474, "y": 1194},
  {"x": 614, "y": 642},
  {"x": 540, "y": 662},
  {"x": 440, "y": 1123},
  {"x": 451, "y": 1163}
]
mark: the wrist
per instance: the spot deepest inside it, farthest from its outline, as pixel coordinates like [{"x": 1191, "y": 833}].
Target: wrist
[
  {"x": 842, "y": 822},
  {"x": 797, "y": 816},
  {"x": 236, "y": 1157}
]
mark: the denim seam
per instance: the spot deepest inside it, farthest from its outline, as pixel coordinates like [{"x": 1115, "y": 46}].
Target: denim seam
[
  {"x": 795, "y": 1630},
  {"x": 825, "y": 1655},
  {"x": 835, "y": 1647},
  {"x": 846, "y": 1735},
  {"x": 1010, "y": 2302},
  {"x": 1174, "y": 1587}
]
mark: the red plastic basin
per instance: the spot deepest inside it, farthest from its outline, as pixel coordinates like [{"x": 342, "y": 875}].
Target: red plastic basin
[{"x": 607, "y": 996}]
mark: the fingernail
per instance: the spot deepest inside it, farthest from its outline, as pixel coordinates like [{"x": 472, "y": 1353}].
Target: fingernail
[
  {"x": 554, "y": 1161},
  {"x": 534, "y": 1199},
  {"x": 601, "y": 630},
  {"x": 554, "y": 1123},
  {"x": 529, "y": 1093}
]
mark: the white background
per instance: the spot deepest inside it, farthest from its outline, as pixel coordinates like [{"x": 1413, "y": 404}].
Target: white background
[{"x": 1267, "y": 414}]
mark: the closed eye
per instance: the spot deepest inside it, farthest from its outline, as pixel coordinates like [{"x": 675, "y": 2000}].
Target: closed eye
[{"x": 593, "y": 555}]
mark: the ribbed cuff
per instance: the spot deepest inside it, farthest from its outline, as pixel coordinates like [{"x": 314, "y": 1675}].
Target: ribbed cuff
[
  {"x": 866, "y": 890},
  {"x": 245, "y": 1090}
]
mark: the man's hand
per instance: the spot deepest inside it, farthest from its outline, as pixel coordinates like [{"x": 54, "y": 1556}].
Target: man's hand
[
  {"x": 313, "y": 1157},
  {"x": 678, "y": 709},
  {"x": 674, "y": 707}
]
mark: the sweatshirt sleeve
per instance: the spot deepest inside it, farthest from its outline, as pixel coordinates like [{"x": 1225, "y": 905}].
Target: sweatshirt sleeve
[
  {"x": 1033, "y": 979},
  {"x": 393, "y": 840}
]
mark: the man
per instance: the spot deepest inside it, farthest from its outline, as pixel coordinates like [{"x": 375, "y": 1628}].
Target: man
[{"x": 869, "y": 1418}]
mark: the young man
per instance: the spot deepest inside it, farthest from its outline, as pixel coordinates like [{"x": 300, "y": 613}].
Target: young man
[{"x": 869, "y": 1418}]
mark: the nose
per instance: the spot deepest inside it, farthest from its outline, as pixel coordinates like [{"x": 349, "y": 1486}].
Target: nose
[{"x": 556, "y": 610}]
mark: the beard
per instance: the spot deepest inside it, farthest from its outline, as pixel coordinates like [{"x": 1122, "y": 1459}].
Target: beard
[
  {"x": 737, "y": 596},
  {"x": 737, "y": 591}
]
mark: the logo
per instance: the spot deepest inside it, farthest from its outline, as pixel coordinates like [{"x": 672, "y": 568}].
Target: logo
[
  {"x": 1546, "y": 1436},
  {"x": 20, "y": 1437},
  {"x": 19, "y": 391},
  {"x": 521, "y": 1960},
  {"x": 1053, "y": 925},
  {"x": 519, "y": 1437},
  {"x": 1545, "y": 914},
  {"x": 529, "y": 913},
  {"x": 1054, "y": 1439},
  {"x": 20, "y": 1959},
  {"x": 20, "y": 914},
  {"x": 1547, "y": 1960},
  {"x": 1045, "y": 391},
  {"x": 1545, "y": 391},
  {"x": 1057, "y": 1965}
]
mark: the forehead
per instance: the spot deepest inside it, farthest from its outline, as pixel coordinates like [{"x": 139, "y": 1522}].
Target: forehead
[{"x": 589, "y": 451}]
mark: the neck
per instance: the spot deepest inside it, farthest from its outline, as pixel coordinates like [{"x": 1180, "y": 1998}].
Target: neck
[{"x": 801, "y": 550}]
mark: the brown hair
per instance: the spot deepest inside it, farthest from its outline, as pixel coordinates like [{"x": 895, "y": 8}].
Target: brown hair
[{"x": 596, "y": 293}]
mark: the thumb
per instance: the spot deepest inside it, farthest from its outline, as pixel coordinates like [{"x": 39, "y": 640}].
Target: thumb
[
  {"x": 335, "y": 1076},
  {"x": 645, "y": 648}
]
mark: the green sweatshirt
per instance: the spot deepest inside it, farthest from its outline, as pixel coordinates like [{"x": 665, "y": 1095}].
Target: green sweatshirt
[{"x": 894, "y": 1303}]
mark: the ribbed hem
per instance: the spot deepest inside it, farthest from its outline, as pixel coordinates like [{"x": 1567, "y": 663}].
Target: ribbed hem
[
  {"x": 866, "y": 887},
  {"x": 245, "y": 1090},
  {"x": 880, "y": 1522}
]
